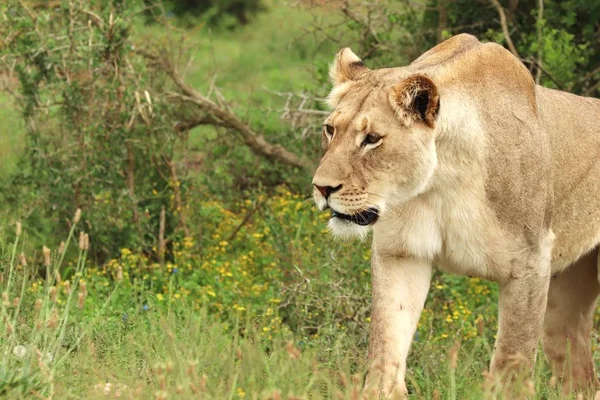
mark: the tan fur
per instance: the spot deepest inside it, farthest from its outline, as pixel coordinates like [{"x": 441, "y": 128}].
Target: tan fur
[{"x": 500, "y": 179}]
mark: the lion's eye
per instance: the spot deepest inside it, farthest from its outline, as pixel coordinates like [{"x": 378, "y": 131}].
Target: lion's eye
[
  {"x": 329, "y": 129},
  {"x": 371, "y": 138}
]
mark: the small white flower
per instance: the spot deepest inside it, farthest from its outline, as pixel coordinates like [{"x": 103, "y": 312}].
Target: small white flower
[
  {"x": 48, "y": 358},
  {"x": 19, "y": 351},
  {"x": 108, "y": 388},
  {"x": 103, "y": 387}
]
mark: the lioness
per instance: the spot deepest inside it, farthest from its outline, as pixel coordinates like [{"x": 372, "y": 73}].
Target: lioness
[{"x": 460, "y": 160}]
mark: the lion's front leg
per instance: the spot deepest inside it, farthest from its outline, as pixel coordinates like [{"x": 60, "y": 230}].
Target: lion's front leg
[
  {"x": 521, "y": 307},
  {"x": 400, "y": 287}
]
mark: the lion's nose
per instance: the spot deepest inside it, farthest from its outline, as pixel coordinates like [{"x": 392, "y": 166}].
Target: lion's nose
[{"x": 327, "y": 190}]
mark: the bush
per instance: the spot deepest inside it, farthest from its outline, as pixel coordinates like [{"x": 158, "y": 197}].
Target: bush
[
  {"x": 99, "y": 135},
  {"x": 217, "y": 13}
]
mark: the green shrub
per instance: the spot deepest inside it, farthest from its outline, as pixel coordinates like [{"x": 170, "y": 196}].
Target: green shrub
[
  {"x": 214, "y": 11},
  {"x": 99, "y": 135},
  {"x": 227, "y": 14}
]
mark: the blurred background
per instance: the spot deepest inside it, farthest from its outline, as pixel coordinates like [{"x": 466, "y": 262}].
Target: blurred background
[{"x": 187, "y": 132}]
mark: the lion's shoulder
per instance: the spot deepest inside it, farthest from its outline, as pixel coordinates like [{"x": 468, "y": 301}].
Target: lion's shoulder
[
  {"x": 448, "y": 51},
  {"x": 463, "y": 59}
]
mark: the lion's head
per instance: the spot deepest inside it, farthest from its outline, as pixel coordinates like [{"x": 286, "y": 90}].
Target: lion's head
[{"x": 378, "y": 142}]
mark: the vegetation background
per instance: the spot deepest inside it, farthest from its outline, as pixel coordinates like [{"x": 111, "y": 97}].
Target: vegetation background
[{"x": 185, "y": 133}]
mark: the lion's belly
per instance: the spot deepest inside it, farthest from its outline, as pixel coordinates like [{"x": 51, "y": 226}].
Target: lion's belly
[{"x": 573, "y": 125}]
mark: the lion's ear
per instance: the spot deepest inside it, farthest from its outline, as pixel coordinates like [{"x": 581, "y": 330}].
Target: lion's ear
[
  {"x": 416, "y": 99},
  {"x": 346, "y": 67}
]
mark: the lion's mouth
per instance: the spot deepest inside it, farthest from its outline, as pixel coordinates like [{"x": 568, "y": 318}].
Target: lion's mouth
[{"x": 362, "y": 218}]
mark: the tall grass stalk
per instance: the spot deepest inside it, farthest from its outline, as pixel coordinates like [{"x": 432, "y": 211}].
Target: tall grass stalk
[{"x": 34, "y": 329}]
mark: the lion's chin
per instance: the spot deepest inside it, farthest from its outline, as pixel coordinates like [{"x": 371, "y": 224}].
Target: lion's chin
[{"x": 347, "y": 230}]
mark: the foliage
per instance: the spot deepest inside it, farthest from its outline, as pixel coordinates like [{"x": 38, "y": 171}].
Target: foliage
[
  {"x": 98, "y": 137},
  {"x": 563, "y": 38},
  {"x": 247, "y": 267},
  {"x": 560, "y": 43},
  {"x": 228, "y": 13}
]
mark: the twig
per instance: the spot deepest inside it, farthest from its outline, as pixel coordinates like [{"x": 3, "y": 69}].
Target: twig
[
  {"x": 591, "y": 90},
  {"x": 504, "y": 25},
  {"x": 540, "y": 16},
  {"x": 591, "y": 74},
  {"x": 545, "y": 71},
  {"x": 587, "y": 76},
  {"x": 161, "y": 236},
  {"x": 298, "y": 114},
  {"x": 212, "y": 85},
  {"x": 94, "y": 18},
  {"x": 31, "y": 13},
  {"x": 247, "y": 217},
  {"x": 366, "y": 23},
  {"x": 177, "y": 192}
]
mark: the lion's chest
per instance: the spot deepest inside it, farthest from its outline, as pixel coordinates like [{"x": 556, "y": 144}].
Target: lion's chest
[{"x": 458, "y": 236}]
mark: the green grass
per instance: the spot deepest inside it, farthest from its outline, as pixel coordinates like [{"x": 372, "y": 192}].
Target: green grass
[
  {"x": 184, "y": 353},
  {"x": 133, "y": 336}
]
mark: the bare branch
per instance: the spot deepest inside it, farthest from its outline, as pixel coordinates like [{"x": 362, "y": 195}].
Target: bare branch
[
  {"x": 225, "y": 118},
  {"x": 253, "y": 140},
  {"x": 545, "y": 71},
  {"x": 296, "y": 111},
  {"x": 590, "y": 75},
  {"x": 365, "y": 22},
  {"x": 540, "y": 16},
  {"x": 504, "y": 25},
  {"x": 592, "y": 89},
  {"x": 246, "y": 219},
  {"x": 182, "y": 126}
]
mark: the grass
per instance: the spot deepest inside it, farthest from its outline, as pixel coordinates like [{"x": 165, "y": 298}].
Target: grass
[
  {"x": 122, "y": 332},
  {"x": 11, "y": 135}
]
